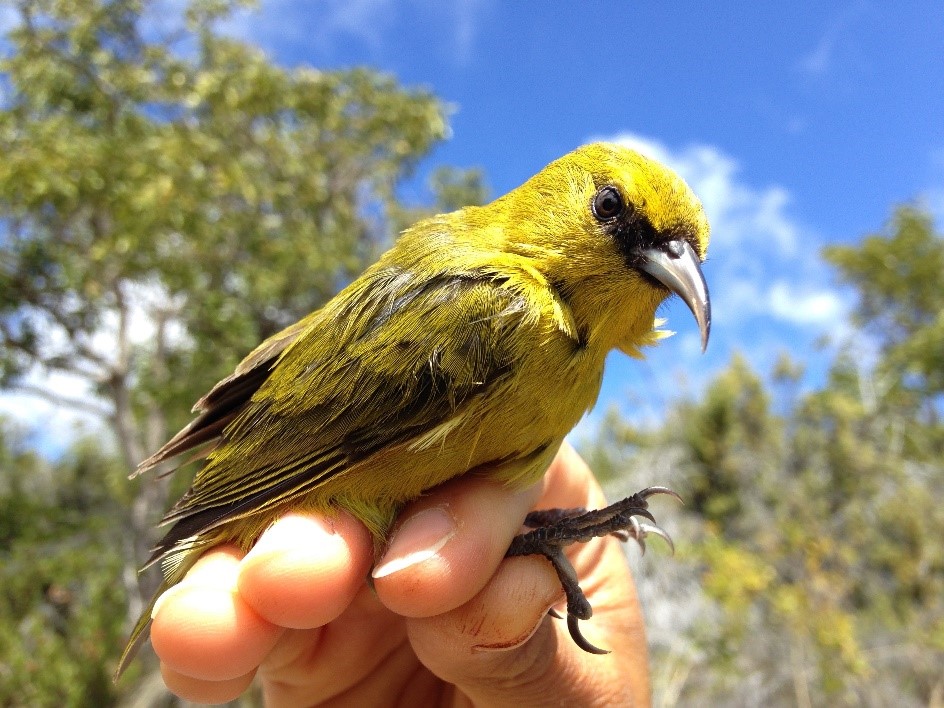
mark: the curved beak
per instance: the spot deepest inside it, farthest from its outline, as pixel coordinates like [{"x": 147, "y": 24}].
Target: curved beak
[{"x": 676, "y": 266}]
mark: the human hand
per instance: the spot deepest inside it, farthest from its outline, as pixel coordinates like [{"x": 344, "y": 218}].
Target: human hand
[{"x": 452, "y": 622}]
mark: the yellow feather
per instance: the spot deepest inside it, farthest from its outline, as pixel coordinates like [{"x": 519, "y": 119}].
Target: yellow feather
[{"x": 475, "y": 344}]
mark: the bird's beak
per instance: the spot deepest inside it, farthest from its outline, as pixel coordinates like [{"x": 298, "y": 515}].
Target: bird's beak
[{"x": 676, "y": 266}]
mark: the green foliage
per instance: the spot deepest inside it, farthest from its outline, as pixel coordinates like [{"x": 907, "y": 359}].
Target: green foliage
[
  {"x": 899, "y": 278},
  {"x": 174, "y": 169},
  {"x": 730, "y": 437},
  {"x": 168, "y": 198},
  {"x": 184, "y": 184},
  {"x": 897, "y": 275},
  {"x": 58, "y": 569}
]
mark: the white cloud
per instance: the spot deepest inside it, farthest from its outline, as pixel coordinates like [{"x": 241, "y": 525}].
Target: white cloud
[
  {"x": 818, "y": 61},
  {"x": 740, "y": 214},
  {"x": 804, "y": 306},
  {"x": 363, "y": 19},
  {"x": 466, "y": 16}
]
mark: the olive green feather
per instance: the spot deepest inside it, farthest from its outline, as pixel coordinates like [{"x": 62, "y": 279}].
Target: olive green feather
[{"x": 475, "y": 344}]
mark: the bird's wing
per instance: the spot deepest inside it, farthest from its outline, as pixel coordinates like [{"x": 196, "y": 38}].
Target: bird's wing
[{"x": 383, "y": 366}]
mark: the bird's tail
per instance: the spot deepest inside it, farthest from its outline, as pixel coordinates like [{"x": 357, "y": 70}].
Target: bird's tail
[{"x": 140, "y": 633}]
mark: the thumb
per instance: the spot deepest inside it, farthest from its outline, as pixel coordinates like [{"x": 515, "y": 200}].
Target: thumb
[{"x": 501, "y": 648}]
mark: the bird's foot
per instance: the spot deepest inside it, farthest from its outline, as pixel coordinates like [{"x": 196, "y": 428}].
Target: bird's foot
[{"x": 555, "y": 529}]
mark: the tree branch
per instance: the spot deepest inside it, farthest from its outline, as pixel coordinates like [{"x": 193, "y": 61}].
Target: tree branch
[
  {"x": 78, "y": 404},
  {"x": 123, "y": 417}
]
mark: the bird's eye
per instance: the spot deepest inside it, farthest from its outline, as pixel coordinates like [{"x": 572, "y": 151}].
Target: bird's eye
[{"x": 607, "y": 203}]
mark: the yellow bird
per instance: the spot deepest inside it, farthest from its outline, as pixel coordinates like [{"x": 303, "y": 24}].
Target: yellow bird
[{"x": 475, "y": 344}]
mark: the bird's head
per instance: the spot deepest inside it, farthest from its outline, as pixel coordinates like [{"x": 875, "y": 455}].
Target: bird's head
[{"x": 616, "y": 233}]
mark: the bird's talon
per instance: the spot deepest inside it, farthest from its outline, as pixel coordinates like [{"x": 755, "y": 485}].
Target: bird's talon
[
  {"x": 650, "y": 491},
  {"x": 578, "y": 605},
  {"x": 636, "y": 532},
  {"x": 661, "y": 533},
  {"x": 580, "y": 640}
]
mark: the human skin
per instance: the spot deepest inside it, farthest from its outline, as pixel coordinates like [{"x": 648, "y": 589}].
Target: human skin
[{"x": 450, "y": 621}]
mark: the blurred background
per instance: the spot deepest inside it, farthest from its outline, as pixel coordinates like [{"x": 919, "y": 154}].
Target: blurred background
[{"x": 179, "y": 180}]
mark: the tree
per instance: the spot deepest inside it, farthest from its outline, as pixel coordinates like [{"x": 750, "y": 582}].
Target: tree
[
  {"x": 168, "y": 198},
  {"x": 58, "y": 565},
  {"x": 898, "y": 276}
]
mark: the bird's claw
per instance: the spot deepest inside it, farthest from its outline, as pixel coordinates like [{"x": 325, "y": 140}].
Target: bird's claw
[
  {"x": 650, "y": 491},
  {"x": 638, "y": 532},
  {"x": 554, "y": 529},
  {"x": 580, "y": 640}
]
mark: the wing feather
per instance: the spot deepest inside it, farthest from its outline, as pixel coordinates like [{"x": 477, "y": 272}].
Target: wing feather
[
  {"x": 380, "y": 367},
  {"x": 222, "y": 404}
]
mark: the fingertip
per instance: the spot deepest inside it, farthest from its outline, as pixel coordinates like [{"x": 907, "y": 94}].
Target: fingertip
[
  {"x": 202, "y": 691},
  {"x": 210, "y": 633},
  {"x": 218, "y": 567},
  {"x": 417, "y": 540},
  {"x": 305, "y": 569}
]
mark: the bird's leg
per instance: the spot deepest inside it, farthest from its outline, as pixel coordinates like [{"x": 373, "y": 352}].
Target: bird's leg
[
  {"x": 549, "y": 517},
  {"x": 555, "y": 529}
]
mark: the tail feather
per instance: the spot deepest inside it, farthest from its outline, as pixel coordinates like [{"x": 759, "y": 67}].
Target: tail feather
[{"x": 140, "y": 633}]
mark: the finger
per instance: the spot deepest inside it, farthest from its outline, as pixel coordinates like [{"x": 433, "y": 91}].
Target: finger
[
  {"x": 365, "y": 647},
  {"x": 305, "y": 569},
  {"x": 501, "y": 646},
  {"x": 219, "y": 624},
  {"x": 201, "y": 691},
  {"x": 449, "y": 544},
  {"x": 569, "y": 482},
  {"x": 203, "y": 629}
]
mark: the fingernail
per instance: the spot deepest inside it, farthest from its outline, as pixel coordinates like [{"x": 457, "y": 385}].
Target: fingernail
[
  {"x": 419, "y": 539},
  {"x": 515, "y": 642},
  {"x": 291, "y": 532}
]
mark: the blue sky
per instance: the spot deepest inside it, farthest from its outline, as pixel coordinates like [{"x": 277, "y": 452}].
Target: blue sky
[{"x": 799, "y": 124}]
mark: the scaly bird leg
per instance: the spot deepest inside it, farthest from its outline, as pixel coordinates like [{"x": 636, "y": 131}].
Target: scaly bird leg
[{"x": 555, "y": 529}]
